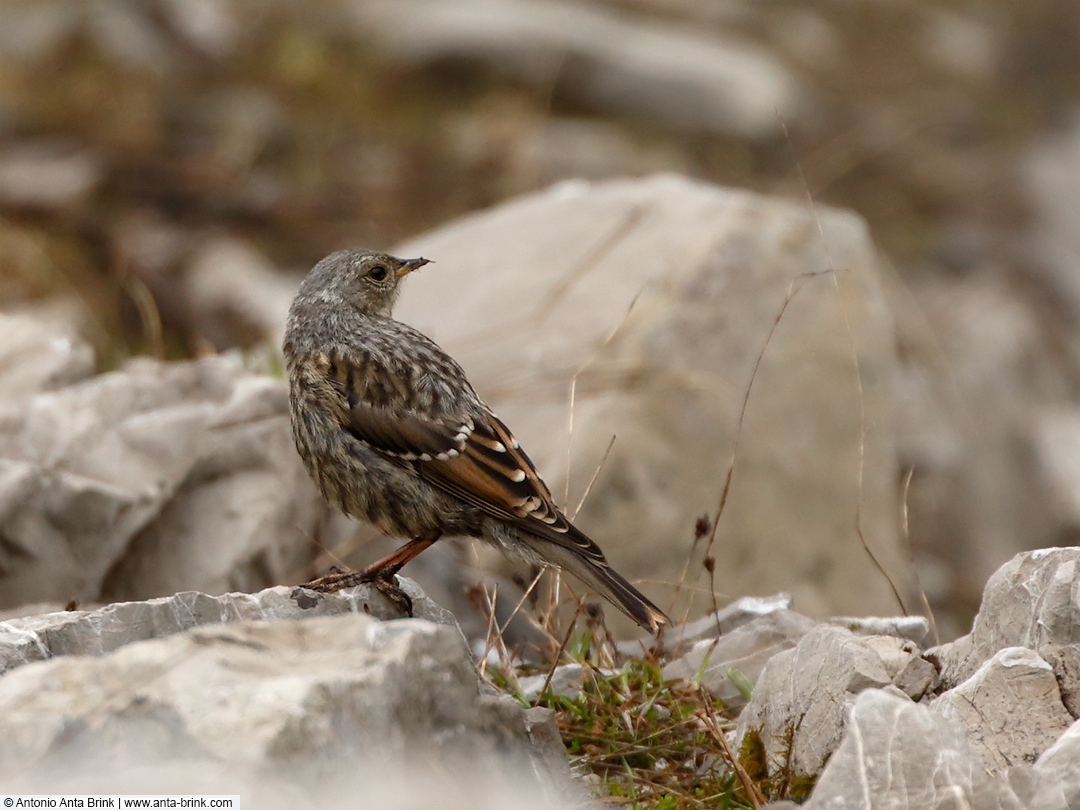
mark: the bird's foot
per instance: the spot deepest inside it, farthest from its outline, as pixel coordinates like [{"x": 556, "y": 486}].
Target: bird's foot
[
  {"x": 338, "y": 579},
  {"x": 384, "y": 581}
]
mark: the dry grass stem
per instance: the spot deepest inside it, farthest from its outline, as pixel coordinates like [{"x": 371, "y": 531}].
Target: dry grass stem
[
  {"x": 757, "y": 798},
  {"x": 595, "y": 475},
  {"x": 906, "y": 535},
  {"x": 559, "y": 652}
]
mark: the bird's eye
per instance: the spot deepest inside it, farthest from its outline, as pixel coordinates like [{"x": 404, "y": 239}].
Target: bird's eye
[{"x": 377, "y": 273}]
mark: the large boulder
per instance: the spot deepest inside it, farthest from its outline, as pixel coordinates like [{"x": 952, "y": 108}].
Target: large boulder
[
  {"x": 153, "y": 479},
  {"x": 347, "y": 701},
  {"x": 639, "y": 309}
]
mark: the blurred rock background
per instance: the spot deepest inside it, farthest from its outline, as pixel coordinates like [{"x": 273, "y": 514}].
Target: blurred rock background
[{"x": 170, "y": 168}]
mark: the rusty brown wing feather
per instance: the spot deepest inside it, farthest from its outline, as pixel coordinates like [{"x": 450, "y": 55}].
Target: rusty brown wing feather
[
  {"x": 477, "y": 460},
  {"x": 474, "y": 457},
  {"x": 494, "y": 467}
]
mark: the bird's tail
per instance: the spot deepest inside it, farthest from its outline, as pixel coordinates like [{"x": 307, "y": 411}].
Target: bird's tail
[{"x": 599, "y": 576}]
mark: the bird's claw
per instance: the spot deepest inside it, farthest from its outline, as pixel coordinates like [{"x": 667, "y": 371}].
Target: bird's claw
[
  {"x": 389, "y": 588},
  {"x": 386, "y": 585}
]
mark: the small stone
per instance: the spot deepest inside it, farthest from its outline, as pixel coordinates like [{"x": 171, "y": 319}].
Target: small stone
[{"x": 913, "y": 628}]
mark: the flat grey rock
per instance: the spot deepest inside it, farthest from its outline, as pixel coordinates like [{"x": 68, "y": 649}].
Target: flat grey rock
[
  {"x": 343, "y": 698},
  {"x": 35, "y": 638}
]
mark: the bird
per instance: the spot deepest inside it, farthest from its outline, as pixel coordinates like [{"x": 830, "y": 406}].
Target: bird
[{"x": 392, "y": 432}]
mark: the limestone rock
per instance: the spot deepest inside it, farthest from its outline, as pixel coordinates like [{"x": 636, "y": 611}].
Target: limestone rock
[
  {"x": 657, "y": 295},
  {"x": 1057, "y": 773},
  {"x": 308, "y": 700},
  {"x": 897, "y": 755},
  {"x": 1010, "y": 708},
  {"x": 912, "y": 628},
  {"x": 97, "y": 632},
  {"x": 1065, "y": 660},
  {"x": 39, "y": 354},
  {"x": 616, "y": 63},
  {"x": 912, "y": 674},
  {"x": 732, "y": 616},
  {"x": 568, "y": 680},
  {"x": 1032, "y": 601},
  {"x": 153, "y": 479},
  {"x": 796, "y": 715},
  {"x": 746, "y": 649}
]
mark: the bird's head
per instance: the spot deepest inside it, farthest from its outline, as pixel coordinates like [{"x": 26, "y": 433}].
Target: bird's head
[{"x": 363, "y": 279}]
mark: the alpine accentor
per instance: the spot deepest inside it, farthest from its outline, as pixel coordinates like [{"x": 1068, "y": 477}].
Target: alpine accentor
[{"x": 392, "y": 432}]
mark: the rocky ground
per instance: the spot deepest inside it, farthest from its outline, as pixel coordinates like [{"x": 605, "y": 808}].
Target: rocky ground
[
  {"x": 285, "y": 693},
  {"x": 779, "y": 298}
]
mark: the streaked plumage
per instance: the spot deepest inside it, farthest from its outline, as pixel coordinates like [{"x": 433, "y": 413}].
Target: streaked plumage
[{"x": 392, "y": 432}]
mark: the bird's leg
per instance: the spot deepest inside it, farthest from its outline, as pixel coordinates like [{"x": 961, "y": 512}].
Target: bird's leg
[
  {"x": 382, "y": 571},
  {"x": 388, "y": 566}
]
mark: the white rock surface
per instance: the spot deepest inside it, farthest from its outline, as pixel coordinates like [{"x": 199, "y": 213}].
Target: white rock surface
[
  {"x": 297, "y": 701},
  {"x": 798, "y": 706},
  {"x": 1005, "y": 738},
  {"x": 1032, "y": 601},
  {"x": 732, "y": 616},
  {"x": 746, "y": 648},
  {"x": 568, "y": 680},
  {"x": 1010, "y": 708},
  {"x": 897, "y": 755},
  {"x": 1058, "y": 773},
  {"x": 150, "y": 480},
  {"x": 658, "y": 296},
  {"x": 912, "y": 628},
  {"x": 40, "y": 353},
  {"x": 97, "y": 632}
]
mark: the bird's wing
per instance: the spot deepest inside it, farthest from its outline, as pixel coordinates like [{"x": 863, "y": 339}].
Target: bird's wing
[{"x": 467, "y": 452}]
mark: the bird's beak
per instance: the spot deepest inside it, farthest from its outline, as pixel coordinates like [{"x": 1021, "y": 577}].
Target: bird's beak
[{"x": 408, "y": 265}]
